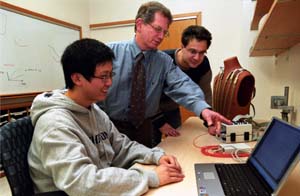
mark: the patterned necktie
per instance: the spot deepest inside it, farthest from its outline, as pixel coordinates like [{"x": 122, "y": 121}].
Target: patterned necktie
[{"x": 137, "y": 100}]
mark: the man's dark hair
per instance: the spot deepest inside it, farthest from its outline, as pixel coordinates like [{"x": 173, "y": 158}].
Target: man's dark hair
[
  {"x": 82, "y": 56},
  {"x": 195, "y": 32},
  {"x": 148, "y": 10}
]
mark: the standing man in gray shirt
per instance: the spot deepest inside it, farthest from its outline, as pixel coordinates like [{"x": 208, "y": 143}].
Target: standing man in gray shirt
[{"x": 151, "y": 26}]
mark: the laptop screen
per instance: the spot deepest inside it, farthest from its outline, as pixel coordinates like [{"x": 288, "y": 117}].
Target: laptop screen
[{"x": 276, "y": 151}]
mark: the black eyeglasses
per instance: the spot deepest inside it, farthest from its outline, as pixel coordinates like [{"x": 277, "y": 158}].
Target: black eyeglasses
[
  {"x": 104, "y": 78},
  {"x": 158, "y": 29}
]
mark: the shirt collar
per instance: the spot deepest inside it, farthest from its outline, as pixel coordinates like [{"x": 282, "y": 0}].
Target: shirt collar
[{"x": 137, "y": 50}]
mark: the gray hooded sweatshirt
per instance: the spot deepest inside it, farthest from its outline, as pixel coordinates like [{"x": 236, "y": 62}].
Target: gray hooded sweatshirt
[{"x": 78, "y": 150}]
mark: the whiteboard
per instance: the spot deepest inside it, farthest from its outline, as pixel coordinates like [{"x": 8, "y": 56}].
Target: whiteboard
[{"x": 30, "y": 52}]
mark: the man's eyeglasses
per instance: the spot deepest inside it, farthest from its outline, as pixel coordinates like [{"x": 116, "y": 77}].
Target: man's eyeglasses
[
  {"x": 194, "y": 52},
  {"x": 158, "y": 29},
  {"x": 105, "y": 77}
]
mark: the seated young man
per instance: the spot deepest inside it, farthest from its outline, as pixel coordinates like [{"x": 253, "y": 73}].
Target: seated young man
[{"x": 76, "y": 148}]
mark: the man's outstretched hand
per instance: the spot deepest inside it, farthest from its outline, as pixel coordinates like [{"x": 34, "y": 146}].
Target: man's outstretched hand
[{"x": 214, "y": 120}]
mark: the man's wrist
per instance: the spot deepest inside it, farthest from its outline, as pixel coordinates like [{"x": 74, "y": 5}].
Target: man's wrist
[{"x": 201, "y": 117}]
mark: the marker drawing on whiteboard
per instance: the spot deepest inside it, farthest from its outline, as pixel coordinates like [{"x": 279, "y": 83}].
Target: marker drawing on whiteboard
[{"x": 15, "y": 78}]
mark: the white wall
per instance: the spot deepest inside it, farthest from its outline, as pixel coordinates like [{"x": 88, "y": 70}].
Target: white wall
[
  {"x": 71, "y": 11},
  {"x": 228, "y": 20}
]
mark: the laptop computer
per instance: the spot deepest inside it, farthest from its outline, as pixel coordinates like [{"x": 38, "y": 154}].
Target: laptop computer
[{"x": 270, "y": 163}]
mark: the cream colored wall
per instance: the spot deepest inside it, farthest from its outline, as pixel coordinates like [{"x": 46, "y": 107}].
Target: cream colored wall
[
  {"x": 228, "y": 21},
  {"x": 72, "y": 11}
]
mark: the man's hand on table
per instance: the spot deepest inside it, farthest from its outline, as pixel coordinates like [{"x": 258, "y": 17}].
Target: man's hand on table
[
  {"x": 168, "y": 130},
  {"x": 168, "y": 170}
]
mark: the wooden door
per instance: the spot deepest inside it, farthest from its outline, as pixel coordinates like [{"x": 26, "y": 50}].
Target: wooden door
[
  {"x": 175, "y": 30},
  {"x": 180, "y": 22}
]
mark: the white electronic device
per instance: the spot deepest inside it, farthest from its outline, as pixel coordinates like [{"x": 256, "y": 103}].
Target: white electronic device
[
  {"x": 237, "y": 132},
  {"x": 234, "y": 147}
]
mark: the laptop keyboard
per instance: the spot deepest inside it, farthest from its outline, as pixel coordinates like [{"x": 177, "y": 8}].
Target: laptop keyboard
[{"x": 238, "y": 179}]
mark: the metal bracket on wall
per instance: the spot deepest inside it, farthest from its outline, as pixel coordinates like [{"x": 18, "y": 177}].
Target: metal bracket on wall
[{"x": 281, "y": 102}]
